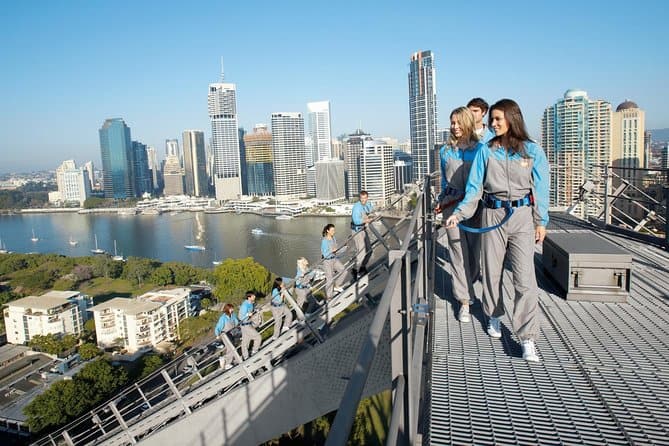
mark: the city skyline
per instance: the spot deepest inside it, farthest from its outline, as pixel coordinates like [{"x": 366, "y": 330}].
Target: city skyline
[{"x": 60, "y": 66}]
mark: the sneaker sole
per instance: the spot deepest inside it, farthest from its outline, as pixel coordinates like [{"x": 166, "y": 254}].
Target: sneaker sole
[{"x": 494, "y": 334}]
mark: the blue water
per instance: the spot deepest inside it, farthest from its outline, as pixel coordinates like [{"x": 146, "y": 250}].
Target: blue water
[{"x": 163, "y": 237}]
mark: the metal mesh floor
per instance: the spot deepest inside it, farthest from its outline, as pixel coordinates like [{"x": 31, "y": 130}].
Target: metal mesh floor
[{"x": 603, "y": 379}]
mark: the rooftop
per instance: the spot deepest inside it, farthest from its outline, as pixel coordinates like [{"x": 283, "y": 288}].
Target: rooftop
[
  {"x": 128, "y": 306},
  {"x": 45, "y": 302}
]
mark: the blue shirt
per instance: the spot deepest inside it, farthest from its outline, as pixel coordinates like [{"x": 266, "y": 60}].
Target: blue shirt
[
  {"x": 360, "y": 211},
  {"x": 481, "y": 180},
  {"x": 223, "y": 321},
  {"x": 328, "y": 247},
  {"x": 276, "y": 296},
  {"x": 245, "y": 310}
]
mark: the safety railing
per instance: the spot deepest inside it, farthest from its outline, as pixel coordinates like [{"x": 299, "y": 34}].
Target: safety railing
[{"x": 406, "y": 301}]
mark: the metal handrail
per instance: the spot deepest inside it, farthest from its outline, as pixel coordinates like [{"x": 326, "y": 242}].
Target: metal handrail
[{"x": 407, "y": 384}]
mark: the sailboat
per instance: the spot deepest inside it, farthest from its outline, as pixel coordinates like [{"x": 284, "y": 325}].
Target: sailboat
[
  {"x": 34, "y": 237},
  {"x": 216, "y": 262},
  {"x": 117, "y": 257},
  {"x": 97, "y": 250},
  {"x": 3, "y": 248},
  {"x": 73, "y": 242}
]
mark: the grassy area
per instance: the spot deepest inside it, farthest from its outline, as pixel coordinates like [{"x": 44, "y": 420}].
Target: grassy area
[{"x": 103, "y": 289}]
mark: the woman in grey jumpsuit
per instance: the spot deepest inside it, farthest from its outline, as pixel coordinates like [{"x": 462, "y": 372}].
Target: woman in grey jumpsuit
[
  {"x": 510, "y": 175},
  {"x": 456, "y": 159}
]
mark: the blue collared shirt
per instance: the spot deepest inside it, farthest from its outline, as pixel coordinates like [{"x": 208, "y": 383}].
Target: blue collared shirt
[
  {"x": 223, "y": 321},
  {"x": 360, "y": 211},
  {"x": 245, "y": 310},
  {"x": 328, "y": 247},
  {"x": 276, "y": 296}
]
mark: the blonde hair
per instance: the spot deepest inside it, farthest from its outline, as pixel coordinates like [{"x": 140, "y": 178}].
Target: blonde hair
[
  {"x": 302, "y": 263},
  {"x": 465, "y": 118}
]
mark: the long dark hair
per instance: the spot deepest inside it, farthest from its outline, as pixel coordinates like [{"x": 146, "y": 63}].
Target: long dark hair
[
  {"x": 228, "y": 308},
  {"x": 514, "y": 139},
  {"x": 277, "y": 283},
  {"x": 326, "y": 229}
]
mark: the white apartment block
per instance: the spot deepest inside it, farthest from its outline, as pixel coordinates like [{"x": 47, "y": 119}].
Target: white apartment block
[
  {"x": 145, "y": 321},
  {"x": 74, "y": 184},
  {"x": 290, "y": 179},
  {"x": 55, "y": 312},
  {"x": 376, "y": 171}
]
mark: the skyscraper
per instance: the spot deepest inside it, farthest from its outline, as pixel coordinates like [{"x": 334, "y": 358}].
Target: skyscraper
[
  {"x": 319, "y": 130},
  {"x": 260, "y": 176},
  {"x": 576, "y": 134},
  {"x": 88, "y": 166},
  {"x": 288, "y": 155},
  {"x": 140, "y": 169},
  {"x": 376, "y": 171},
  {"x": 354, "y": 145},
  {"x": 195, "y": 163},
  {"x": 116, "y": 151},
  {"x": 172, "y": 148},
  {"x": 173, "y": 176},
  {"x": 225, "y": 140},
  {"x": 154, "y": 168},
  {"x": 330, "y": 180},
  {"x": 422, "y": 112}
]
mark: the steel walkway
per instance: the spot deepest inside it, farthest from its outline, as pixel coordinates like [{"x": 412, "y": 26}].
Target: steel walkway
[{"x": 604, "y": 375}]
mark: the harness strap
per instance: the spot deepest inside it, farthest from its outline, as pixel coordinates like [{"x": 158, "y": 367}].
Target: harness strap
[{"x": 492, "y": 202}]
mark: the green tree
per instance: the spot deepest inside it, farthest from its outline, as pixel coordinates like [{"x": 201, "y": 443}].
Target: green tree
[
  {"x": 234, "y": 277},
  {"x": 46, "y": 409},
  {"x": 94, "y": 202},
  {"x": 88, "y": 351},
  {"x": 162, "y": 275},
  {"x": 137, "y": 270},
  {"x": 206, "y": 303},
  {"x": 150, "y": 363},
  {"x": 103, "y": 377},
  {"x": 184, "y": 274}
]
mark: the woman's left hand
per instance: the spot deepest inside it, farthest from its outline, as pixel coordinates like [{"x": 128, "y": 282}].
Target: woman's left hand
[{"x": 539, "y": 234}]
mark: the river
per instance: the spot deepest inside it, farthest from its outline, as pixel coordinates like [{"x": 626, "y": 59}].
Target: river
[{"x": 163, "y": 237}]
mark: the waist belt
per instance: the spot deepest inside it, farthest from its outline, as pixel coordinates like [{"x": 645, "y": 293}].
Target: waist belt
[
  {"x": 492, "y": 202},
  {"x": 356, "y": 227},
  {"x": 301, "y": 286},
  {"x": 328, "y": 258},
  {"x": 276, "y": 305},
  {"x": 246, "y": 323}
]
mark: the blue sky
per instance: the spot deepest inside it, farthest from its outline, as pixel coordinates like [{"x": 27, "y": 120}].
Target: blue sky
[{"x": 69, "y": 65}]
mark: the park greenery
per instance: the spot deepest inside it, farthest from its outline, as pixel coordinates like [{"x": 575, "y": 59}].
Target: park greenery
[
  {"x": 103, "y": 278},
  {"x": 30, "y": 195}
]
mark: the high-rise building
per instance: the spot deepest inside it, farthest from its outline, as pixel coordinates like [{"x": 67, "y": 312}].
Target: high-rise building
[
  {"x": 576, "y": 134},
  {"x": 664, "y": 157},
  {"x": 402, "y": 166},
  {"x": 195, "y": 167},
  {"x": 140, "y": 169},
  {"x": 73, "y": 183},
  {"x": 376, "y": 171},
  {"x": 422, "y": 112},
  {"x": 88, "y": 166},
  {"x": 172, "y": 148},
  {"x": 242, "y": 161},
  {"x": 173, "y": 176},
  {"x": 339, "y": 147},
  {"x": 225, "y": 140},
  {"x": 288, "y": 155},
  {"x": 330, "y": 181},
  {"x": 154, "y": 167},
  {"x": 319, "y": 129},
  {"x": 354, "y": 145},
  {"x": 311, "y": 181},
  {"x": 116, "y": 151},
  {"x": 647, "y": 149},
  {"x": 260, "y": 175}
]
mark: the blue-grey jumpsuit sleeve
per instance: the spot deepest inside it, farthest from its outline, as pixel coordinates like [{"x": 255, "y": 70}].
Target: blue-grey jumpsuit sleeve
[{"x": 474, "y": 189}]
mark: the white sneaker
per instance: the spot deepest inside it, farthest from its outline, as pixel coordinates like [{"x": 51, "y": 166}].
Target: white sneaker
[
  {"x": 338, "y": 289},
  {"x": 463, "y": 315},
  {"x": 253, "y": 352},
  {"x": 494, "y": 328},
  {"x": 228, "y": 366},
  {"x": 530, "y": 351},
  {"x": 284, "y": 329}
]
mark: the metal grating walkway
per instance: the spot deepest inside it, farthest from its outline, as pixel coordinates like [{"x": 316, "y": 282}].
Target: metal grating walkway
[{"x": 603, "y": 379}]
